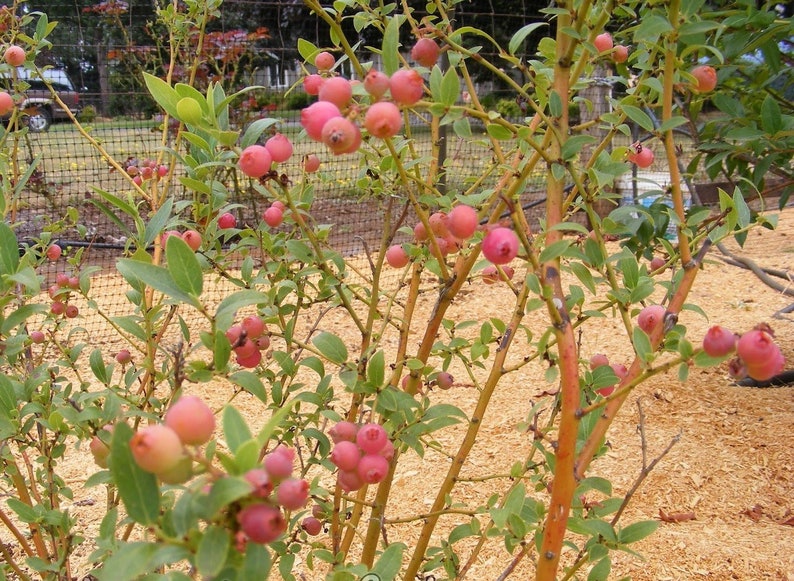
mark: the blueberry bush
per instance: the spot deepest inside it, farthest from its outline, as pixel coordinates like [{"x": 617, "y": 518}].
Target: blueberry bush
[{"x": 193, "y": 492}]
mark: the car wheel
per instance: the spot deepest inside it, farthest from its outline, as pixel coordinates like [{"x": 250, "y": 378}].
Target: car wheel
[{"x": 40, "y": 120}]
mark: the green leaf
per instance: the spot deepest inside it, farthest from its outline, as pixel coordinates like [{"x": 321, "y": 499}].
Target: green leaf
[
  {"x": 555, "y": 104},
  {"x": 651, "y": 28},
  {"x": 211, "y": 553},
  {"x": 255, "y": 130},
  {"x": 462, "y": 127},
  {"x": 601, "y": 570},
  {"x": 519, "y": 37},
  {"x": 306, "y": 49},
  {"x": 251, "y": 383},
  {"x": 499, "y": 131},
  {"x": 158, "y": 222},
  {"x": 391, "y": 45},
  {"x": 98, "y": 366},
  {"x": 637, "y": 531},
  {"x": 639, "y": 117},
  {"x": 9, "y": 250},
  {"x": 376, "y": 369},
  {"x": 642, "y": 345},
  {"x": 388, "y": 566},
  {"x": 275, "y": 421},
  {"x": 128, "y": 562},
  {"x": 331, "y": 347},
  {"x": 165, "y": 95},
  {"x": 450, "y": 87},
  {"x": 771, "y": 117},
  {"x": 224, "y": 315},
  {"x": 554, "y": 250},
  {"x": 257, "y": 564},
  {"x": 137, "y": 488},
  {"x": 235, "y": 430},
  {"x": 184, "y": 266},
  {"x": 224, "y": 492},
  {"x": 156, "y": 277},
  {"x": 573, "y": 145}
]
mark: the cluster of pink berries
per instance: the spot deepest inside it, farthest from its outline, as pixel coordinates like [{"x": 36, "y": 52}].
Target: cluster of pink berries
[
  {"x": 146, "y": 169},
  {"x": 249, "y": 339},
  {"x": 324, "y": 120},
  {"x": 256, "y": 161},
  {"x": 273, "y": 488},
  {"x": 757, "y": 354},
  {"x": 61, "y": 292},
  {"x": 604, "y": 43},
  {"x": 362, "y": 454},
  {"x": 274, "y": 215},
  {"x": 620, "y": 370},
  {"x": 450, "y": 232},
  {"x": 15, "y": 56}
]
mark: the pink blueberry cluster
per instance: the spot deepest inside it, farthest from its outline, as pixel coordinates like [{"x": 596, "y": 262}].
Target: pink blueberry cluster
[
  {"x": 757, "y": 354},
  {"x": 362, "y": 454},
  {"x": 61, "y": 292},
  {"x": 142, "y": 170},
  {"x": 249, "y": 339}
]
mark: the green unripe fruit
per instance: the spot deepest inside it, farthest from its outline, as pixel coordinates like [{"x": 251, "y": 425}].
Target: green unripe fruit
[{"x": 189, "y": 110}]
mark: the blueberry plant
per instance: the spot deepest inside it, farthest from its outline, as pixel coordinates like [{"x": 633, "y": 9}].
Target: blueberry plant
[{"x": 196, "y": 492}]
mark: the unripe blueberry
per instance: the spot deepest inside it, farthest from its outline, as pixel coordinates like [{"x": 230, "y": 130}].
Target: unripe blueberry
[
  {"x": 189, "y": 110},
  {"x": 251, "y": 361},
  {"x": 620, "y": 370},
  {"x": 167, "y": 234},
  {"x": 123, "y": 356},
  {"x": 262, "y": 342},
  {"x": 324, "y": 61},
  {"x": 620, "y": 54},
  {"x": 376, "y": 83},
  {"x": 706, "y": 78},
  {"x": 99, "y": 450},
  {"x": 603, "y": 42},
  {"x": 406, "y": 382},
  {"x": 719, "y": 341},
  {"x": 192, "y": 238},
  {"x": 73, "y": 283},
  {"x": 371, "y": 438},
  {"x": 37, "y": 337},
  {"x": 420, "y": 232},
  {"x": 737, "y": 368},
  {"x": 57, "y": 307},
  {"x": 316, "y": 115},
  {"x": 500, "y": 245},
  {"x": 156, "y": 448},
  {"x": 273, "y": 216},
  {"x": 345, "y": 455},
  {"x": 227, "y": 220},
  {"x": 462, "y": 221},
  {"x": 6, "y": 103},
  {"x": 254, "y": 326},
  {"x": 444, "y": 380},
  {"x": 606, "y": 391},
  {"x": 406, "y": 87},
  {"x": 336, "y": 90},
  {"x": 425, "y": 52},
  {"x": 312, "y": 526},
  {"x": 396, "y": 256},
  {"x": 341, "y": 135},
  {"x": 178, "y": 474},
  {"x": 233, "y": 334},
  {"x": 650, "y": 316},
  {"x": 372, "y": 468},
  {"x": 490, "y": 274},
  {"x": 293, "y": 493},
  {"x": 312, "y": 84},
  {"x": 383, "y": 119},
  {"x": 349, "y": 481},
  {"x": 260, "y": 481},
  {"x": 311, "y": 163},
  {"x": 14, "y": 55},
  {"x": 280, "y": 147},
  {"x": 278, "y": 463},
  {"x": 262, "y": 523},
  {"x": 255, "y": 161},
  {"x": 657, "y": 262},
  {"x": 191, "y": 419},
  {"x": 598, "y": 360},
  {"x": 343, "y": 431}
]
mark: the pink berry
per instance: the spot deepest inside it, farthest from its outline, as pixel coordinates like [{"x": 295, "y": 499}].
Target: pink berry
[
  {"x": 438, "y": 224},
  {"x": 500, "y": 245},
  {"x": 387, "y": 451},
  {"x": 311, "y": 163},
  {"x": 341, "y": 135},
  {"x": 262, "y": 343},
  {"x": 372, "y": 468},
  {"x": 490, "y": 274},
  {"x": 425, "y": 52},
  {"x": 192, "y": 238},
  {"x": 396, "y": 256},
  {"x": 233, "y": 334},
  {"x": 336, "y": 90},
  {"x": 406, "y": 382},
  {"x": 280, "y": 147},
  {"x": 620, "y": 54},
  {"x": 371, "y": 438},
  {"x": 262, "y": 523},
  {"x": 640, "y": 155},
  {"x": 657, "y": 262},
  {"x": 598, "y": 360},
  {"x": 343, "y": 431},
  {"x": 278, "y": 463},
  {"x": 273, "y": 217},
  {"x": 376, "y": 83},
  {"x": 312, "y": 526},
  {"x": 191, "y": 419},
  {"x": 245, "y": 348},
  {"x": 603, "y": 42},
  {"x": 292, "y": 493},
  {"x": 349, "y": 481},
  {"x": 345, "y": 455},
  {"x": 162, "y": 171},
  {"x": 167, "y": 234},
  {"x": 756, "y": 347},
  {"x": 57, "y": 308},
  {"x": 705, "y": 77},
  {"x": 6, "y": 103},
  {"x": 255, "y": 161},
  {"x": 312, "y": 84},
  {"x": 606, "y": 391},
  {"x": 253, "y": 326},
  {"x": 73, "y": 283},
  {"x": 227, "y": 220},
  {"x": 444, "y": 380},
  {"x": 137, "y": 180},
  {"x": 769, "y": 368},
  {"x": 383, "y": 119},
  {"x": 316, "y": 115},
  {"x": 53, "y": 252},
  {"x": 62, "y": 279},
  {"x": 100, "y": 451},
  {"x": 279, "y": 204},
  {"x": 71, "y": 311},
  {"x": 14, "y": 55},
  {"x": 719, "y": 341},
  {"x": 650, "y": 317},
  {"x": 156, "y": 448},
  {"x": 620, "y": 370},
  {"x": 406, "y": 87},
  {"x": 37, "y": 337},
  {"x": 260, "y": 481},
  {"x": 462, "y": 221},
  {"x": 420, "y": 232},
  {"x": 324, "y": 61},
  {"x": 123, "y": 356},
  {"x": 251, "y": 361}
]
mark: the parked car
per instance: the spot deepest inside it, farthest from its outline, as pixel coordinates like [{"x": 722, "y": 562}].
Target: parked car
[{"x": 38, "y": 107}]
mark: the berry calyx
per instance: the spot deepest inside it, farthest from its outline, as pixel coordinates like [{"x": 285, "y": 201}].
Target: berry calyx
[
  {"x": 341, "y": 135},
  {"x": 371, "y": 438},
  {"x": 650, "y": 317}
]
